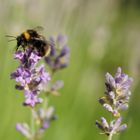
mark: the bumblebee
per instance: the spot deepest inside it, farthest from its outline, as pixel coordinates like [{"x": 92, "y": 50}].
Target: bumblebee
[{"x": 32, "y": 39}]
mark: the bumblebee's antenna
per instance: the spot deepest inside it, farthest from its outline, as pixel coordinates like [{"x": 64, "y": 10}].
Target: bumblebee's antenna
[
  {"x": 11, "y": 40},
  {"x": 10, "y": 36}
]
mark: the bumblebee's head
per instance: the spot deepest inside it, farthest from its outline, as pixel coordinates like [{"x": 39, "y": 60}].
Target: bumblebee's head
[{"x": 19, "y": 40}]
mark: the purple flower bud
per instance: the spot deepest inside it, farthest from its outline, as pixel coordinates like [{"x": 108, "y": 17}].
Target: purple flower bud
[
  {"x": 19, "y": 55},
  {"x": 108, "y": 107},
  {"x": 111, "y": 95},
  {"x": 61, "y": 39},
  {"x": 99, "y": 125},
  {"x": 57, "y": 85},
  {"x": 111, "y": 128},
  {"x": 49, "y": 113},
  {"x": 117, "y": 124},
  {"x": 21, "y": 75},
  {"x": 110, "y": 80},
  {"x": 123, "y": 106},
  {"x": 45, "y": 125},
  {"x": 24, "y": 129},
  {"x": 121, "y": 128},
  {"x": 104, "y": 123},
  {"x": 31, "y": 98},
  {"x": 34, "y": 58}
]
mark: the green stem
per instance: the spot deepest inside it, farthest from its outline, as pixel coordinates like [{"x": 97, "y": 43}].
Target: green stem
[
  {"x": 110, "y": 137},
  {"x": 32, "y": 125}
]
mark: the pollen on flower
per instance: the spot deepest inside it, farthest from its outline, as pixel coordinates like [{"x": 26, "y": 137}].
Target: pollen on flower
[
  {"x": 116, "y": 114},
  {"x": 119, "y": 91}
]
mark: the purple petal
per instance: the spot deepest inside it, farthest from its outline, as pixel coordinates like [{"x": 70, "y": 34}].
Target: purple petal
[
  {"x": 61, "y": 39},
  {"x": 31, "y": 98},
  {"x": 122, "y": 128},
  {"x": 45, "y": 125}
]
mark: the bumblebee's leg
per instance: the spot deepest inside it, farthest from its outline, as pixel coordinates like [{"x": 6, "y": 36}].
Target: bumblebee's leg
[{"x": 17, "y": 48}]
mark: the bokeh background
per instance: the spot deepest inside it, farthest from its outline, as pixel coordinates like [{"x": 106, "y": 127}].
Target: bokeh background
[{"x": 102, "y": 35}]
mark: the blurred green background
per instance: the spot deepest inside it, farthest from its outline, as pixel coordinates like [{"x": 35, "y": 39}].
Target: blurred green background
[{"x": 102, "y": 35}]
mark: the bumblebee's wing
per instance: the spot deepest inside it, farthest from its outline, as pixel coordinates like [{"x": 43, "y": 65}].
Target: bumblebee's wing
[
  {"x": 43, "y": 39},
  {"x": 48, "y": 42},
  {"x": 38, "y": 28}
]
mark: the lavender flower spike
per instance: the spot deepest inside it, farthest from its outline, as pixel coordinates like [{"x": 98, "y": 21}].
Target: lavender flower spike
[
  {"x": 30, "y": 78},
  {"x": 59, "y": 55},
  {"x": 116, "y": 99},
  {"x": 117, "y": 92}
]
